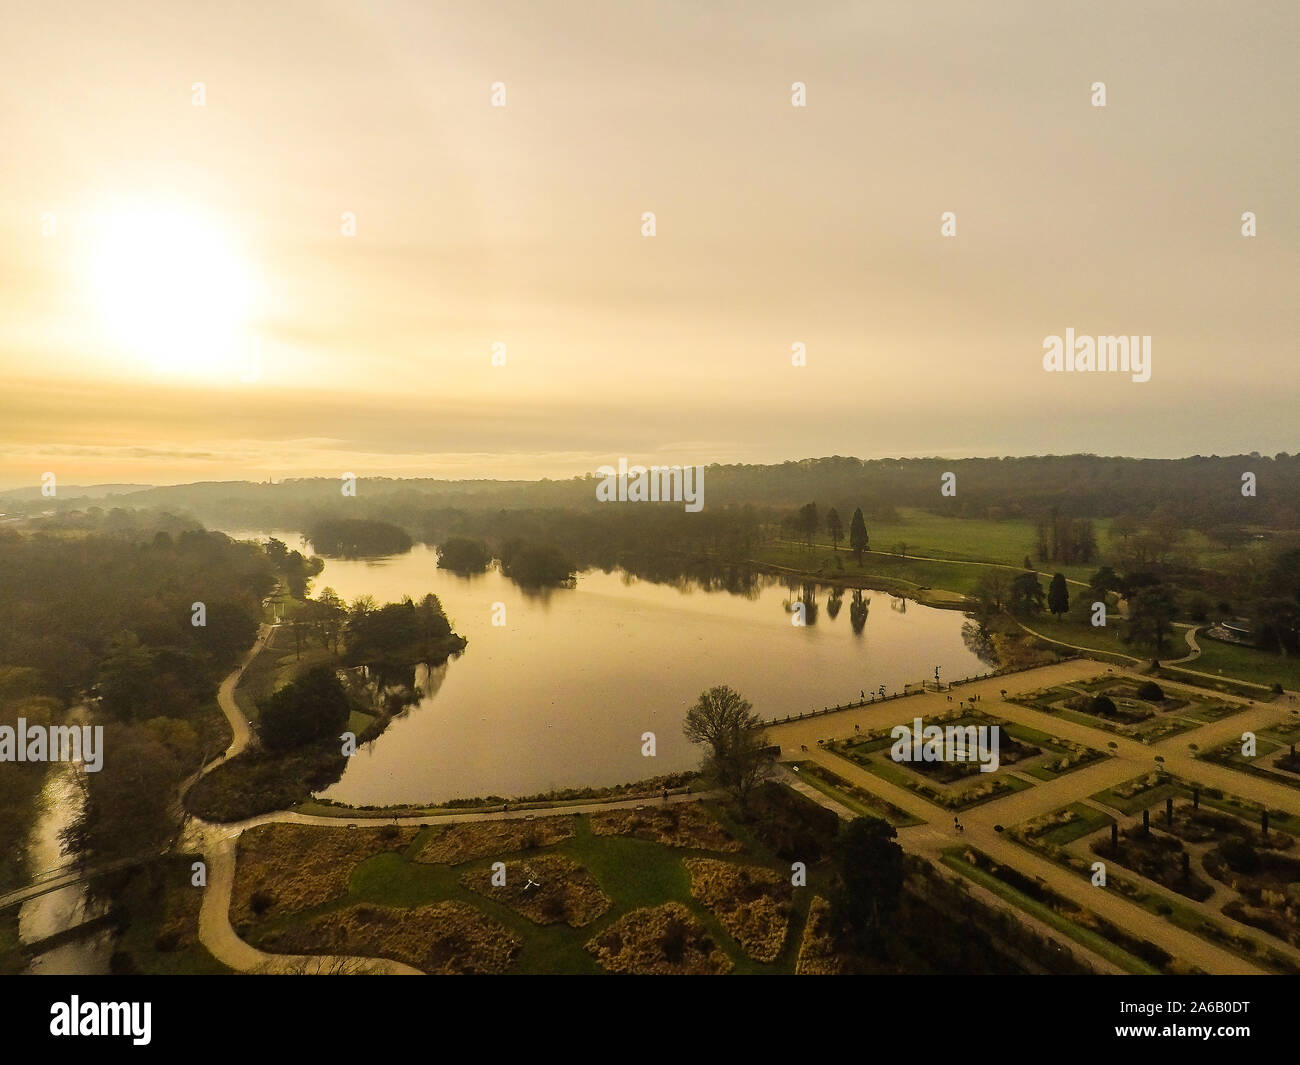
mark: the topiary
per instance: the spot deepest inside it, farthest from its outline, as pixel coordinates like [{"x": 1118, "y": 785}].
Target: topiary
[{"x": 1102, "y": 705}]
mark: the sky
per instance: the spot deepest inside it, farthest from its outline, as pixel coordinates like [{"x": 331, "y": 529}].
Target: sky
[{"x": 243, "y": 240}]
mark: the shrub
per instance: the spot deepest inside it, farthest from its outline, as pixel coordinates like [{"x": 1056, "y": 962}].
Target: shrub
[
  {"x": 1150, "y": 691},
  {"x": 1240, "y": 855},
  {"x": 674, "y": 940},
  {"x": 261, "y": 901},
  {"x": 1102, "y": 705}
]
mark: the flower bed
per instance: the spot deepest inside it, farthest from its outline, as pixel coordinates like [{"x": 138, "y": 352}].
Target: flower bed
[
  {"x": 753, "y": 903},
  {"x": 548, "y": 889},
  {"x": 684, "y": 825},
  {"x": 283, "y": 869},
  {"x": 663, "y": 940},
  {"x": 447, "y": 938},
  {"x": 817, "y": 953},
  {"x": 453, "y": 844}
]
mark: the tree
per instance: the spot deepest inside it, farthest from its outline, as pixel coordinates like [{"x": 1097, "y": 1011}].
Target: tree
[
  {"x": 858, "y": 534},
  {"x": 992, "y": 592},
  {"x": 125, "y": 676},
  {"x": 310, "y": 708},
  {"x": 131, "y": 804},
  {"x": 808, "y": 522},
  {"x": 1103, "y": 581},
  {"x": 716, "y": 716},
  {"x": 1058, "y": 595},
  {"x": 1123, "y": 526},
  {"x": 434, "y": 629},
  {"x": 834, "y": 528},
  {"x": 1284, "y": 573},
  {"x": 743, "y": 765},
  {"x": 1026, "y": 594},
  {"x": 327, "y": 613},
  {"x": 536, "y": 565},
  {"x": 1275, "y": 624},
  {"x": 738, "y": 755},
  {"x": 868, "y": 879},
  {"x": 1151, "y": 611},
  {"x": 460, "y": 554}
]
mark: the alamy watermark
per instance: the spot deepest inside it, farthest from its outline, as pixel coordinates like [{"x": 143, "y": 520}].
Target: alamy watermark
[
  {"x": 79, "y": 1018},
  {"x": 655, "y": 484},
  {"x": 951, "y": 743},
  {"x": 1131, "y": 355},
  {"x": 54, "y": 743}
]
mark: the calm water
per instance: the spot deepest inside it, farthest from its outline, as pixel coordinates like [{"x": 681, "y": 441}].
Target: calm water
[
  {"x": 561, "y": 694},
  {"x": 67, "y": 907}
]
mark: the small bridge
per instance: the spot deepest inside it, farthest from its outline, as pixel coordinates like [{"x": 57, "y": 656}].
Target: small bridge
[{"x": 67, "y": 875}]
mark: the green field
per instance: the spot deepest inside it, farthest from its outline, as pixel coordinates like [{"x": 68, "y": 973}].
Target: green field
[
  {"x": 955, "y": 552},
  {"x": 1246, "y": 663}
]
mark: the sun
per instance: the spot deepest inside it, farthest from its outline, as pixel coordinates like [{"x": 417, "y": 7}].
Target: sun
[{"x": 170, "y": 290}]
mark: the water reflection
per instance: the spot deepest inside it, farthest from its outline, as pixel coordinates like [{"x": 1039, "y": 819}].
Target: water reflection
[
  {"x": 858, "y": 611},
  {"x": 58, "y": 911},
  {"x": 562, "y": 692},
  {"x": 834, "y": 602}
]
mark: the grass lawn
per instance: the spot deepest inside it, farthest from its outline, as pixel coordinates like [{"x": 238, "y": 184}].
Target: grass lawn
[
  {"x": 948, "y": 583},
  {"x": 1247, "y": 663},
  {"x": 1090, "y": 819},
  {"x": 1142, "y": 800},
  {"x": 960, "y": 539},
  {"x": 1104, "y": 638},
  {"x": 856, "y": 799},
  {"x": 1007, "y": 541}
]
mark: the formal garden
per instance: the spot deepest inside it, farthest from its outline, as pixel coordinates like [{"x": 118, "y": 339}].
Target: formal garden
[
  {"x": 1275, "y": 757},
  {"x": 1189, "y": 845},
  {"x": 1141, "y": 710},
  {"x": 1032, "y": 754}
]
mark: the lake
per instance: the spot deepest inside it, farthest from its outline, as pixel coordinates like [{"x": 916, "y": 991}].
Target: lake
[{"x": 561, "y": 694}]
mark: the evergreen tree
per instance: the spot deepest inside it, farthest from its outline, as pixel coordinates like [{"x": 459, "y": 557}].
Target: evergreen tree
[
  {"x": 1058, "y": 595},
  {"x": 858, "y": 534}
]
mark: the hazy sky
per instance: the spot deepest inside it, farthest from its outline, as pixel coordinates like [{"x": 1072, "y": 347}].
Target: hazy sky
[{"x": 144, "y": 240}]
